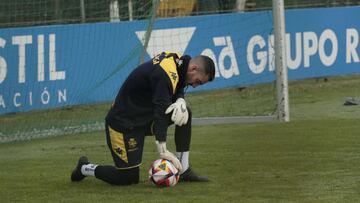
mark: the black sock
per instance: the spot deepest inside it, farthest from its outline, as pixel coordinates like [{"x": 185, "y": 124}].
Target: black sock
[{"x": 114, "y": 176}]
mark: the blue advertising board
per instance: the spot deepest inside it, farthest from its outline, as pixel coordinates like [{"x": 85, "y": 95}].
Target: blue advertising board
[{"x": 55, "y": 66}]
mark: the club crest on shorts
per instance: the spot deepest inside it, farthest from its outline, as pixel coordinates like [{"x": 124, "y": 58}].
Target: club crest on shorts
[{"x": 132, "y": 143}]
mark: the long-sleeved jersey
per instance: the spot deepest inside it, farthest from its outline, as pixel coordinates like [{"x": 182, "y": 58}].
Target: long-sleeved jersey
[{"x": 148, "y": 91}]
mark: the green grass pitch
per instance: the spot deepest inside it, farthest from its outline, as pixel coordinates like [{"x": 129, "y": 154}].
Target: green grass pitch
[{"x": 313, "y": 158}]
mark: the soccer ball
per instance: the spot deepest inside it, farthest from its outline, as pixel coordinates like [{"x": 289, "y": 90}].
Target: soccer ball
[{"x": 163, "y": 173}]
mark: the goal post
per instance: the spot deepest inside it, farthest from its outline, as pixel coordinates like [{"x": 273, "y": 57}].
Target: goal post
[{"x": 280, "y": 61}]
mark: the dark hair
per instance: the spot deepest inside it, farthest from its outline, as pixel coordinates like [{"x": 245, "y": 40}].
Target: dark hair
[{"x": 209, "y": 66}]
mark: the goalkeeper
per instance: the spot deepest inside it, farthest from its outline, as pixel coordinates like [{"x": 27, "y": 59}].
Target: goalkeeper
[{"x": 150, "y": 99}]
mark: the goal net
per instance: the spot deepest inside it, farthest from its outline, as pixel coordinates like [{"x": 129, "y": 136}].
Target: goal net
[{"x": 62, "y": 62}]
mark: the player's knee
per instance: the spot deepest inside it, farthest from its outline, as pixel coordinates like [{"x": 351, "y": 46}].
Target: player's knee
[{"x": 170, "y": 122}]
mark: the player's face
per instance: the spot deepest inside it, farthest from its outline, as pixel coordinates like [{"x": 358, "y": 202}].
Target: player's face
[{"x": 195, "y": 76}]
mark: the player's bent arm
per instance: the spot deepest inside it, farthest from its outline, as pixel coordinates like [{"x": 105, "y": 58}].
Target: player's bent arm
[{"x": 161, "y": 98}]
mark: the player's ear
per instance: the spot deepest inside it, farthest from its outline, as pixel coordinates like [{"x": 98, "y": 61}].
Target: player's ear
[
  {"x": 193, "y": 67},
  {"x": 199, "y": 69}
]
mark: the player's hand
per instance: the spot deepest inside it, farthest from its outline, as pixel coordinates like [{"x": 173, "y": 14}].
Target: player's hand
[
  {"x": 180, "y": 113},
  {"x": 165, "y": 154}
]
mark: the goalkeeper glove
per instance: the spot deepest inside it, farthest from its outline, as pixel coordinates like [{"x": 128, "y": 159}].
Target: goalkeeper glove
[
  {"x": 165, "y": 154},
  {"x": 180, "y": 113}
]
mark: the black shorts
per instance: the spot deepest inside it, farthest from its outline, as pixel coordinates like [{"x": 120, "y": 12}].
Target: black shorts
[{"x": 126, "y": 145}]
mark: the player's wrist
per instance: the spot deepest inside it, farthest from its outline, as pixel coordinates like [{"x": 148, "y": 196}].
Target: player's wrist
[{"x": 161, "y": 146}]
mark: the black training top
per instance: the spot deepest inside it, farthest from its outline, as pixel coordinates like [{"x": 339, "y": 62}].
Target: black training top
[{"x": 148, "y": 91}]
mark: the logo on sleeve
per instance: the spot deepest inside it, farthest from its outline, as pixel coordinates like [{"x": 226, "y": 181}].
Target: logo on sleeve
[{"x": 173, "y": 75}]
